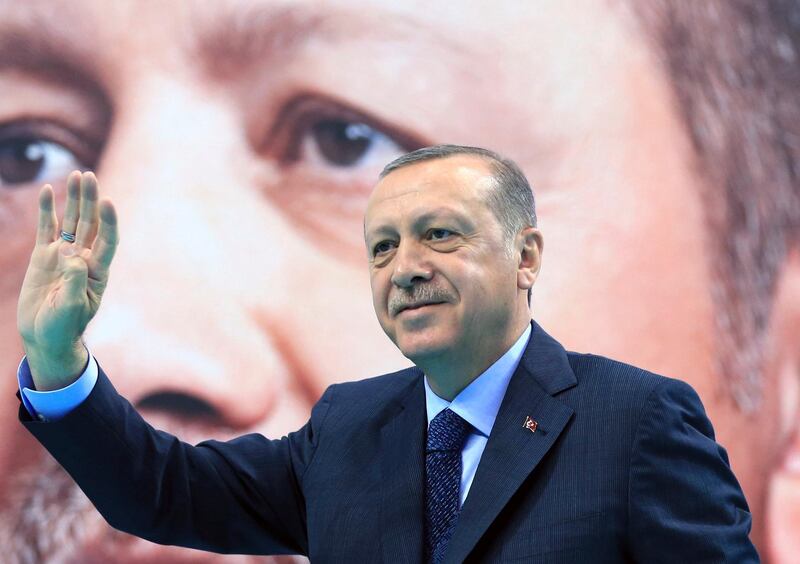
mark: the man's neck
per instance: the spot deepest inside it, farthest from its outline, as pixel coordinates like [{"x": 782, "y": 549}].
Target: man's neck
[{"x": 449, "y": 374}]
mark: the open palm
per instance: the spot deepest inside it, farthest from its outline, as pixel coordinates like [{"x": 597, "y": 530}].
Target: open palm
[{"x": 65, "y": 281}]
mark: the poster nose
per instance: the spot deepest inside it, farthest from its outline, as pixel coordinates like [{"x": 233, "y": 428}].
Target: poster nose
[{"x": 174, "y": 331}]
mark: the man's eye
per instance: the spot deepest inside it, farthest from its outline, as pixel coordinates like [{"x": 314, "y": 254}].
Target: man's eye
[
  {"x": 382, "y": 248},
  {"x": 26, "y": 160},
  {"x": 437, "y": 234}
]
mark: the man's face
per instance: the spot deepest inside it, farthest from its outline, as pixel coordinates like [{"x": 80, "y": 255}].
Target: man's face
[
  {"x": 240, "y": 141},
  {"x": 441, "y": 272}
]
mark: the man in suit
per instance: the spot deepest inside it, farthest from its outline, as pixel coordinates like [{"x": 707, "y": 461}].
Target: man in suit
[{"x": 498, "y": 445}]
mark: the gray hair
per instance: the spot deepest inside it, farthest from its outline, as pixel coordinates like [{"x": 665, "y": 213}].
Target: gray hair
[{"x": 512, "y": 199}]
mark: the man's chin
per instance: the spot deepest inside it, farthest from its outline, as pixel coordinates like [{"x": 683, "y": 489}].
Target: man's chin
[{"x": 423, "y": 348}]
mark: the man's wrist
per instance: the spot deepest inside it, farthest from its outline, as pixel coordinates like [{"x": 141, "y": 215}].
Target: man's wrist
[{"x": 53, "y": 372}]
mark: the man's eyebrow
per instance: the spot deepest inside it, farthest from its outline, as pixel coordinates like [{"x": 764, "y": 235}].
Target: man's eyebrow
[
  {"x": 379, "y": 231},
  {"x": 233, "y": 38},
  {"x": 441, "y": 213},
  {"x": 423, "y": 220}
]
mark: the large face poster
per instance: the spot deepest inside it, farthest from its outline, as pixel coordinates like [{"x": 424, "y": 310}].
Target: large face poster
[{"x": 239, "y": 142}]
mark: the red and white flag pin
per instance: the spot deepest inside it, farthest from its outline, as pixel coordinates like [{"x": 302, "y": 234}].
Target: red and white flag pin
[{"x": 530, "y": 424}]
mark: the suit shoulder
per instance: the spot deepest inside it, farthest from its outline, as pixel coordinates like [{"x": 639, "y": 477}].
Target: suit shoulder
[
  {"x": 360, "y": 405},
  {"x": 622, "y": 379},
  {"x": 619, "y": 397},
  {"x": 378, "y": 388}
]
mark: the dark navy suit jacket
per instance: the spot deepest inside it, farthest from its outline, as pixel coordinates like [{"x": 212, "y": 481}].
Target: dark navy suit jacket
[{"x": 622, "y": 467}]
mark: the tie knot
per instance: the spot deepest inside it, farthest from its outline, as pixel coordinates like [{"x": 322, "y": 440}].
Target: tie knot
[{"x": 447, "y": 431}]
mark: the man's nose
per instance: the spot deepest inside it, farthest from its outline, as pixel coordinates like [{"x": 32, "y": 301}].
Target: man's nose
[
  {"x": 174, "y": 331},
  {"x": 411, "y": 265}
]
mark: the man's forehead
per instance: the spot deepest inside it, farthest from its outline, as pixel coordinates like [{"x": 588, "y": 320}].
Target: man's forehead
[
  {"x": 440, "y": 186},
  {"x": 461, "y": 176}
]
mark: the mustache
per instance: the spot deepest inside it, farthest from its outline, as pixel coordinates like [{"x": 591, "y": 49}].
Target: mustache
[
  {"x": 416, "y": 296},
  {"x": 46, "y": 518}
]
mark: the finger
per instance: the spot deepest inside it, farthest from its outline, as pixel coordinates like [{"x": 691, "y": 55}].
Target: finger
[
  {"x": 87, "y": 221},
  {"x": 46, "y": 231},
  {"x": 107, "y": 237},
  {"x": 70, "y": 221}
]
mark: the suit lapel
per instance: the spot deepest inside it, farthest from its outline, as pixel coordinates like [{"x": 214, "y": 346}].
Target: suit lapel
[
  {"x": 513, "y": 451},
  {"x": 403, "y": 473}
]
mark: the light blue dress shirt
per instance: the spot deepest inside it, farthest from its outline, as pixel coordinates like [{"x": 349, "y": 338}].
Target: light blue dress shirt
[
  {"x": 55, "y": 404},
  {"x": 478, "y": 404}
]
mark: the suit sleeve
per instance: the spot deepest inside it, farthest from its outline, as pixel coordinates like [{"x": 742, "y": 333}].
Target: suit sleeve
[
  {"x": 241, "y": 496},
  {"x": 685, "y": 504}
]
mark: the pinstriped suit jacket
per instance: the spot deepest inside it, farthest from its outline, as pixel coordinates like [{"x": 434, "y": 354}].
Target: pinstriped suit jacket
[{"x": 623, "y": 467}]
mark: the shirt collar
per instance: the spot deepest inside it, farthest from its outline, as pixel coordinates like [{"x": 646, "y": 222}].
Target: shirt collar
[{"x": 480, "y": 401}]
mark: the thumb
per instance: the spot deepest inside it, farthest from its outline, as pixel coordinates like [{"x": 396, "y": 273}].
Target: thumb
[{"x": 75, "y": 274}]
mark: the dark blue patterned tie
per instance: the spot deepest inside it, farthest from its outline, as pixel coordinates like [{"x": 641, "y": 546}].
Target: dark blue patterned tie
[{"x": 446, "y": 435}]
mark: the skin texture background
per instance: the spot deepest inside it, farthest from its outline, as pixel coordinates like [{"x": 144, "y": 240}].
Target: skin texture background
[{"x": 240, "y": 140}]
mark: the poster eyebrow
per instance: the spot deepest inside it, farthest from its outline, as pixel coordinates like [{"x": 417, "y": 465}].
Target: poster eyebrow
[
  {"x": 48, "y": 48},
  {"x": 233, "y": 37}
]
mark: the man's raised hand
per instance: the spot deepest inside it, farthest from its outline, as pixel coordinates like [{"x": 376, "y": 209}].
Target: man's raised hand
[{"x": 65, "y": 281}]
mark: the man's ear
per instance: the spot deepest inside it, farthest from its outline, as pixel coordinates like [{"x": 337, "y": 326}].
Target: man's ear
[
  {"x": 530, "y": 245},
  {"x": 783, "y": 501}
]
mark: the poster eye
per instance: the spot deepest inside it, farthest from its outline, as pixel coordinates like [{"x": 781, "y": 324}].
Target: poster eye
[
  {"x": 31, "y": 160},
  {"x": 341, "y": 143},
  {"x": 344, "y": 143},
  {"x": 323, "y": 134}
]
